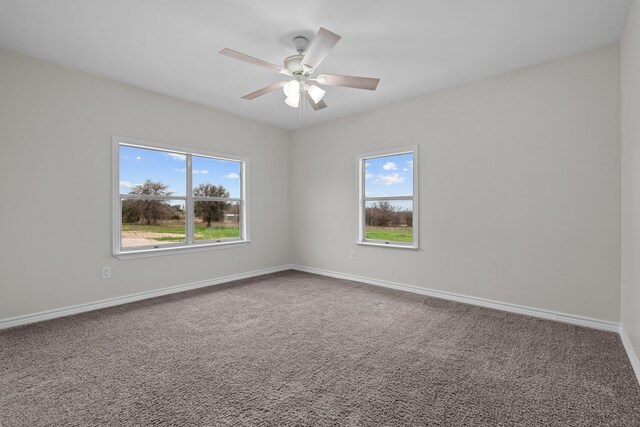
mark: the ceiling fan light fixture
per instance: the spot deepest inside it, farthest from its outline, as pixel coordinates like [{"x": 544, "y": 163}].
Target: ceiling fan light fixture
[
  {"x": 293, "y": 101},
  {"x": 300, "y": 69},
  {"x": 292, "y": 89},
  {"x": 315, "y": 93}
]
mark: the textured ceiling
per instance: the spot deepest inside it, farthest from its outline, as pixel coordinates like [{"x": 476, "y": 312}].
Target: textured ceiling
[{"x": 414, "y": 46}]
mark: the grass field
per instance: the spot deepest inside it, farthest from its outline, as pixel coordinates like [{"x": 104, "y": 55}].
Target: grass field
[
  {"x": 201, "y": 232},
  {"x": 177, "y": 232},
  {"x": 390, "y": 234}
]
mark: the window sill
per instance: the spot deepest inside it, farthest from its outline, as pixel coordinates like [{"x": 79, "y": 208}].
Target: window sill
[
  {"x": 388, "y": 245},
  {"x": 148, "y": 253}
]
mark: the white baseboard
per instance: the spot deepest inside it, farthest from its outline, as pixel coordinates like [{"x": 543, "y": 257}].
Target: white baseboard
[
  {"x": 633, "y": 356},
  {"x": 81, "y": 308},
  {"x": 512, "y": 308}
]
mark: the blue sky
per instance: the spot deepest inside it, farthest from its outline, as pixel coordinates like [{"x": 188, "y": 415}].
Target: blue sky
[
  {"x": 139, "y": 164},
  {"x": 389, "y": 176}
]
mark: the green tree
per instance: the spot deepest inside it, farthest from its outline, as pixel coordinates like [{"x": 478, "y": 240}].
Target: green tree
[
  {"x": 381, "y": 214},
  {"x": 152, "y": 211},
  {"x": 177, "y": 212},
  {"x": 130, "y": 211},
  {"x": 210, "y": 211},
  {"x": 407, "y": 217}
]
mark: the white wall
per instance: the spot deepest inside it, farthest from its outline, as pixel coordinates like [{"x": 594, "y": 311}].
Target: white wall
[
  {"x": 630, "y": 60},
  {"x": 55, "y": 180},
  {"x": 519, "y": 188}
]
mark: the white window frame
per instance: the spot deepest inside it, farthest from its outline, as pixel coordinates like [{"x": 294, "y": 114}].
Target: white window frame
[
  {"x": 190, "y": 244},
  {"x": 362, "y": 199}
]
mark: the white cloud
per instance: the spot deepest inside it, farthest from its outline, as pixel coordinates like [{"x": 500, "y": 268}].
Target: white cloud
[
  {"x": 410, "y": 163},
  {"x": 405, "y": 169},
  {"x": 174, "y": 156},
  {"x": 126, "y": 184},
  {"x": 232, "y": 175},
  {"x": 195, "y": 171},
  {"x": 390, "y": 166},
  {"x": 393, "y": 178},
  {"x": 368, "y": 176},
  {"x": 138, "y": 157}
]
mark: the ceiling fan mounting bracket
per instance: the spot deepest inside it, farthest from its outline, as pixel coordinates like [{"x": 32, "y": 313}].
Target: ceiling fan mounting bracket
[{"x": 300, "y": 43}]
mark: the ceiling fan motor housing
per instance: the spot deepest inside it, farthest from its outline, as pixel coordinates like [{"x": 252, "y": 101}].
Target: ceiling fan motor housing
[{"x": 294, "y": 64}]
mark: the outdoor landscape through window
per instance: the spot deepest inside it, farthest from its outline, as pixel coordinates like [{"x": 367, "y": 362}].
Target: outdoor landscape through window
[
  {"x": 388, "y": 198},
  {"x": 155, "y": 209}
]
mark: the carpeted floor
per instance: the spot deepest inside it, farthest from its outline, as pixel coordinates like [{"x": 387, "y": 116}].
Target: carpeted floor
[{"x": 294, "y": 349}]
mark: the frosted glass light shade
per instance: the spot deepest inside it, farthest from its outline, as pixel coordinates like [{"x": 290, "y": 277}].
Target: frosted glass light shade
[
  {"x": 291, "y": 89},
  {"x": 292, "y": 101},
  {"x": 315, "y": 93}
]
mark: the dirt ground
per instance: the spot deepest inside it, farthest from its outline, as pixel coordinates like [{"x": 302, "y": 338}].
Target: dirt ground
[{"x": 132, "y": 239}]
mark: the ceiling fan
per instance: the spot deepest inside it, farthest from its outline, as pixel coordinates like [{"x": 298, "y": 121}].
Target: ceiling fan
[{"x": 301, "y": 68}]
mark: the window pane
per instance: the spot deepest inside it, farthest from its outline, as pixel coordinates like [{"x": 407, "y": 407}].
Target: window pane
[
  {"x": 144, "y": 171},
  {"x": 154, "y": 223},
  {"x": 217, "y": 220},
  {"x": 389, "y": 176},
  {"x": 215, "y": 177},
  {"x": 390, "y": 221}
]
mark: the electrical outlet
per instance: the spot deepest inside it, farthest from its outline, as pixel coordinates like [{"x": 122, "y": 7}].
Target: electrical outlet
[
  {"x": 106, "y": 273},
  {"x": 352, "y": 256}
]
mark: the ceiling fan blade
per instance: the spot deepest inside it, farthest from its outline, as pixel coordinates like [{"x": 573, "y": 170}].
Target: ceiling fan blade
[
  {"x": 255, "y": 61},
  {"x": 315, "y": 105},
  {"x": 323, "y": 43},
  {"x": 348, "y": 81},
  {"x": 264, "y": 90}
]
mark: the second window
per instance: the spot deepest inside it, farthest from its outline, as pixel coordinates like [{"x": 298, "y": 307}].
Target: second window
[{"x": 388, "y": 201}]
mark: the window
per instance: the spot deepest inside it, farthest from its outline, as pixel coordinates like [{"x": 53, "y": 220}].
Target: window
[
  {"x": 169, "y": 199},
  {"x": 388, "y": 201}
]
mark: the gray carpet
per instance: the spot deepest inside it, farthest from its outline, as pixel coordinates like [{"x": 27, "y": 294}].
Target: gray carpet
[{"x": 295, "y": 349}]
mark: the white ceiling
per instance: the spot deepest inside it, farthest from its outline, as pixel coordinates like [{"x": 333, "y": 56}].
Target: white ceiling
[{"x": 414, "y": 46}]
